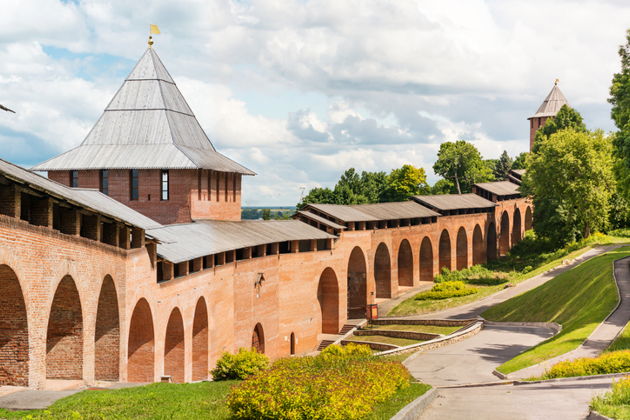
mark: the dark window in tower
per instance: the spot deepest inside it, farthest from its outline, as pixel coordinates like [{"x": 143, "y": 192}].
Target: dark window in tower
[
  {"x": 133, "y": 184},
  {"x": 104, "y": 178},
  {"x": 74, "y": 179},
  {"x": 164, "y": 190}
]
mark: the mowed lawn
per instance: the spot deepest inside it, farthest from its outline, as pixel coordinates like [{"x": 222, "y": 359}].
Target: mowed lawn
[{"x": 578, "y": 299}]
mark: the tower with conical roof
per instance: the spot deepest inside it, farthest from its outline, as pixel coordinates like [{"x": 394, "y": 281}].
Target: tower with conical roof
[
  {"x": 548, "y": 109},
  {"x": 148, "y": 151}
]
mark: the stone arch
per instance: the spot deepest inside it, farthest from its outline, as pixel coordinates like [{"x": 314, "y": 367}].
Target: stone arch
[
  {"x": 174, "y": 347},
  {"x": 405, "y": 264},
  {"x": 529, "y": 218},
  {"x": 445, "y": 250},
  {"x": 461, "y": 249},
  {"x": 107, "y": 334},
  {"x": 357, "y": 284},
  {"x": 383, "y": 272},
  {"x": 491, "y": 242},
  {"x": 328, "y": 298},
  {"x": 426, "y": 260},
  {"x": 479, "y": 255},
  {"x": 504, "y": 234},
  {"x": 64, "y": 338},
  {"x": 292, "y": 344},
  {"x": 200, "y": 342},
  {"x": 14, "y": 348},
  {"x": 516, "y": 227},
  {"x": 258, "y": 339},
  {"x": 140, "y": 351}
]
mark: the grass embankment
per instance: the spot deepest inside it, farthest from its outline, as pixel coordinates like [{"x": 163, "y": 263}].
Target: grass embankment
[
  {"x": 387, "y": 409},
  {"x": 429, "y": 329},
  {"x": 530, "y": 257},
  {"x": 401, "y": 342},
  {"x": 578, "y": 299},
  {"x": 204, "y": 400},
  {"x": 622, "y": 342}
]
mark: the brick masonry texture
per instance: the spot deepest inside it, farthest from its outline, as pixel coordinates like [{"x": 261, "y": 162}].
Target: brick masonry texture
[{"x": 73, "y": 308}]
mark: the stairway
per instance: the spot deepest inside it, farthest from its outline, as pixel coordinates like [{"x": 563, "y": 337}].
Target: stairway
[
  {"x": 346, "y": 328},
  {"x": 323, "y": 344}
]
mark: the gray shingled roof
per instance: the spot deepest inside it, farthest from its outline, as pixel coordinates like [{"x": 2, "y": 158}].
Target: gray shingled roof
[
  {"x": 147, "y": 125},
  {"x": 454, "y": 201},
  {"x": 552, "y": 103},
  {"x": 183, "y": 242},
  {"x": 82, "y": 197},
  {"x": 320, "y": 219},
  {"x": 375, "y": 212},
  {"x": 500, "y": 187}
]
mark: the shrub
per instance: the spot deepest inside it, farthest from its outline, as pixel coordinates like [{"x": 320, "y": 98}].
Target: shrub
[
  {"x": 241, "y": 365},
  {"x": 612, "y": 403},
  {"x": 327, "y": 386},
  {"x": 351, "y": 350},
  {"x": 613, "y": 362},
  {"x": 476, "y": 274},
  {"x": 447, "y": 290}
]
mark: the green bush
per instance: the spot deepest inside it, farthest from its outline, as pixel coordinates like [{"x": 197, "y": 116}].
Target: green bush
[
  {"x": 351, "y": 350},
  {"x": 476, "y": 274},
  {"x": 447, "y": 289},
  {"x": 614, "y": 404},
  {"x": 613, "y": 362},
  {"x": 340, "y": 384},
  {"x": 241, "y": 365}
]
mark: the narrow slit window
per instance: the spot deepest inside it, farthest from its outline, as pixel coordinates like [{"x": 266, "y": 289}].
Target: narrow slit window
[
  {"x": 104, "y": 181},
  {"x": 133, "y": 185},
  {"x": 74, "y": 179},
  {"x": 164, "y": 183}
]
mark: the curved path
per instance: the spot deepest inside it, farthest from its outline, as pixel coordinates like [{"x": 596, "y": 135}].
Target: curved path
[{"x": 472, "y": 361}]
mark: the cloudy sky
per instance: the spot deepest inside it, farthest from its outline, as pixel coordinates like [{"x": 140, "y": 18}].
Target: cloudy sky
[{"x": 300, "y": 90}]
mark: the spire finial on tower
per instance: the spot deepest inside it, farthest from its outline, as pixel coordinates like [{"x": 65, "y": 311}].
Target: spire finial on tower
[
  {"x": 153, "y": 29},
  {"x": 555, "y": 82}
]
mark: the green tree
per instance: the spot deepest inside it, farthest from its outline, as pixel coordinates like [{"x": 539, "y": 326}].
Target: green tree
[
  {"x": 461, "y": 163},
  {"x": 566, "y": 117},
  {"x": 620, "y": 113},
  {"x": 373, "y": 185},
  {"x": 519, "y": 161},
  {"x": 266, "y": 214},
  {"x": 404, "y": 182},
  {"x": 571, "y": 182},
  {"x": 443, "y": 186},
  {"x": 503, "y": 166},
  {"x": 317, "y": 195}
]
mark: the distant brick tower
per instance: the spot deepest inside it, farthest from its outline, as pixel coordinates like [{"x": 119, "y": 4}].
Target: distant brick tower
[
  {"x": 548, "y": 109},
  {"x": 149, "y": 152}
]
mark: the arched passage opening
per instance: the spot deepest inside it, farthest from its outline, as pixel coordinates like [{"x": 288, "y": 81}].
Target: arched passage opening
[
  {"x": 140, "y": 351},
  {"x": 479, "y": 255},
  {"x": 328, "y": 298},
  {"x": 258, "y": 339},
  {"x": 426, "y": 260},
  {"x": 64, "y": 338},
  {"x": 200, "y": 342},
  {"x": 491, "y": 242},
  {"x": 107, "y": 334},
  {"x": 445, "y": 250},
  {"x": 504, "y": 234},
  {"x": 462, "y": 249},
  {"x": 357, "y": 284},
  {"x": 14, "y": 348},
  {"x": 383, "y": 272},
  {"x": 529, "y": 218},
  {"x": 405, "y": 264},
  {"x": 516, "y": 227},
  {"x": 174, "y": 348}
]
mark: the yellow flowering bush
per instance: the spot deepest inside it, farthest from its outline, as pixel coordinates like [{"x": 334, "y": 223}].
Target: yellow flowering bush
[
  {"x": 613, "y": 362},
  {"x": 338, "y": 384},
  {"x": 241, "y": 365}
]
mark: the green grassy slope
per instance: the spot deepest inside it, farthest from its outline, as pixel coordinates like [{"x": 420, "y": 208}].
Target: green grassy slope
[{"x": 578, "y": 299}]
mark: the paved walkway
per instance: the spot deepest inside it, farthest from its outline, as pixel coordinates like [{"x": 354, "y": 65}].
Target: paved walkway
[
  {"x": 474, "y": 309},
  {"x": 566, "y": 401},
  {"x": 603, "y": 335}
]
